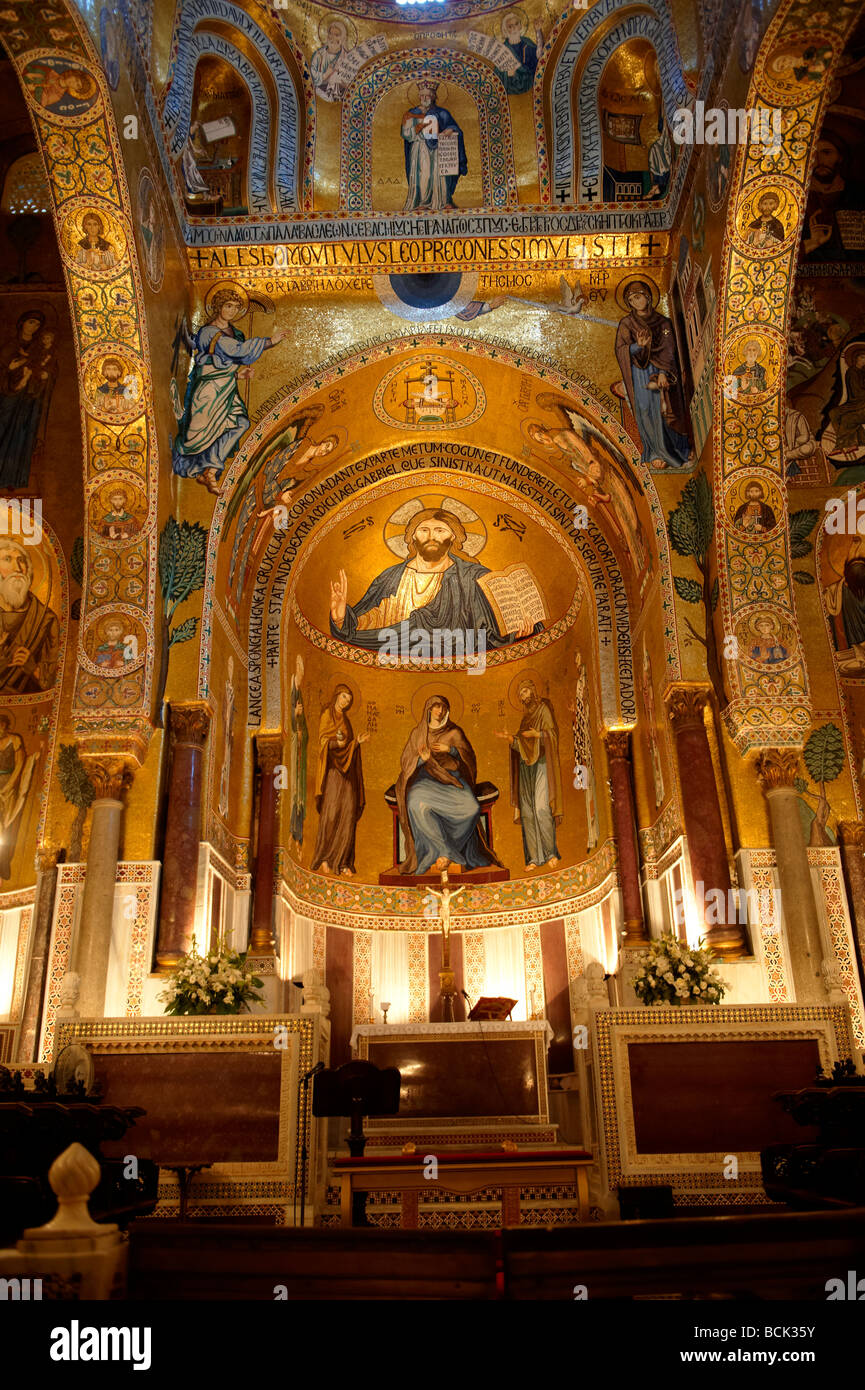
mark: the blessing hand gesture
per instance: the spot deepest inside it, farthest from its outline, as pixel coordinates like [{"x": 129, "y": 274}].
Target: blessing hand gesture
[{"x": 338, "y": 598}]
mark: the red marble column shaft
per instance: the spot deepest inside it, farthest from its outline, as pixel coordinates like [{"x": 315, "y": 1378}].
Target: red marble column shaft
[
  {"x": 625, "y": 822},
  {"x": 189, "y": 726},
  {"x": 704, "y": 824},
  {"x": 852, "y": 834},
  {"x": 268, "y": 748}
]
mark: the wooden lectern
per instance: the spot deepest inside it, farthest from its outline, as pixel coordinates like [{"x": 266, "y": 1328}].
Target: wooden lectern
[{"x": 491, "y": 1009}]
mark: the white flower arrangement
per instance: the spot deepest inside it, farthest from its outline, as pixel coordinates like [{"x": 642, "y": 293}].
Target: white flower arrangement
[
  {"x": 218, "y": 983},
  {"x": 674, "y": 973}
]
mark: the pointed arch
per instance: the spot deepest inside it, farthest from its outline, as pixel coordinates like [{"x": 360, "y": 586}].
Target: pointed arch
[
  {"x": 276, "y": 126},
  {"x": 276, "y": 561},
  {"x": 473, "y": 76},
  {"x": 78, "y": 140},
  {"x": 769, "y": 705},
  {"x": 652, "y": 20}
]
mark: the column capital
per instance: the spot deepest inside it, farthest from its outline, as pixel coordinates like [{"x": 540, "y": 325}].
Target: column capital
[
  {"x": 46, "y": 858},
  {"x": 617, "y": 743},
  {"x": 852, "y": 832},
  {"x": 686, "y": 701},
  {"x": 268, "y": 750},
  {"x": 777, "y": 768},
  {"x": 111, "y": 776},
  {"x": 190, "y": 722}
]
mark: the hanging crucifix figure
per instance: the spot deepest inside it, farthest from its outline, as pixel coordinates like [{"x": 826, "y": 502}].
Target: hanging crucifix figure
[{"x": 447, "y": 979}]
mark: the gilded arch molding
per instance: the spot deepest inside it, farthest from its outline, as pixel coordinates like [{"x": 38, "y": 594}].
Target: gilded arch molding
[
  {"x": 84, "y": 169},
  {"x": 596, "y": 552},
  {"x": 479, "y": 82},
  {"x": 196, "y": 34},
  {"x": 768, "y": 706},
  {"x": 575, "y": 172}
]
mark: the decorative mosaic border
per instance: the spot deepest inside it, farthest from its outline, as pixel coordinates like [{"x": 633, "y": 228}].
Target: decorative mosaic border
[
  {"x": 361, "y": 976},
  {"x": 70, "y": 878},
  {"x": 456, "y": 1139},
  {"x": 21, "y": 897},
  {"x": 516, "y": 902},
  {"x": 82, "y": 159},
  {"x": 144, "y": 876},
  {"x": 393, "y": 13},
  {"x": 534, "y": 969},
  {"x": 304, "y": 96},
  {"x": 474, "y": 963},
  {"x": 418, "y": 978},
  {"x": 573, "y": 946},
  {"x": 616, "y": 1028},
  {"x": 827, "y": 862},
  {"x": 770, "y": 937},
  {"x": 229, "y": 1182},
  {"x": 753, "y": 299}
]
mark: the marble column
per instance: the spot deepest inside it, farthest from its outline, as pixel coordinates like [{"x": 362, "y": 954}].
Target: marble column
[
  {"x": 43, "y": 912},
  {"x": 189, "y": 726},
  {"x": 268, "y": 752},
  {"x": 852, "y": 833},
  {"x": 617, "y": 743},
  {"x": 704, "y": 824},
  {"x": 111, "y": 777},
  {"x": 777, "y": 769}
]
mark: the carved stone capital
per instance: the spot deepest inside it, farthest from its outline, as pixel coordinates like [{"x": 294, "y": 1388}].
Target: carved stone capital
[
  {"x": 190, "y": 722},
  {"x": 111, "y": 776},
  {"x": 852, "y": 833},
  {"x": 268, "y": 751},
  {"x": 777, "y": 768},
  {"x": 833, "y": 979},
  {"x": 70, "y": 992},
  {"x": 46, "y": 859},
  {"x": 617, "y": 743},
  {"x": 316, "y": 1000},
  {"x": 685, "y": 705}
]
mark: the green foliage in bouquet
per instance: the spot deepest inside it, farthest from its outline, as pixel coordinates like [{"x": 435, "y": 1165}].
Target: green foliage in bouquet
[
  {"x": 673, "y": 972},
  {"x": 216, "y": 983}
]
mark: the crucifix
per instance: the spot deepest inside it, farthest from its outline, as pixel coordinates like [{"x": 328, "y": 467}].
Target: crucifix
[{"x": 447, "y": 980}]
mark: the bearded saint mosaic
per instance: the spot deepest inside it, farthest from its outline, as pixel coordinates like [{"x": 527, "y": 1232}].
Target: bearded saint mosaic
[{"x": 437, "y": 587}]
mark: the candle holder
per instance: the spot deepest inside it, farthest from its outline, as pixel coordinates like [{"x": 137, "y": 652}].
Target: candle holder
[{"x": 384, "y": 1006}]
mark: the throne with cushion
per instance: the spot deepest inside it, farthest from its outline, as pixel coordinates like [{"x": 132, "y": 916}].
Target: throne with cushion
[{"x": 487, "y": 794}]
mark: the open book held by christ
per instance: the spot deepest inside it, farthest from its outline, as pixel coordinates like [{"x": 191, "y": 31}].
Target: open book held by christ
[{"x": 515, "y": 597}]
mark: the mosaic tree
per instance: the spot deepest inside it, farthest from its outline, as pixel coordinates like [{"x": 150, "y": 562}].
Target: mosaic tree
[
  {"x": 182, "y": 565},
  {"x": 692, "y": 526},
  {"x": 824, "y": 758},
  {"x": 77, "y": 788}
]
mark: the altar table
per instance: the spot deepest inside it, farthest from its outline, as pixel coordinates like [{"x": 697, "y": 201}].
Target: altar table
[
  {"x": 463, "y": 1173},
  {"x": 479, "y": 1075}
]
